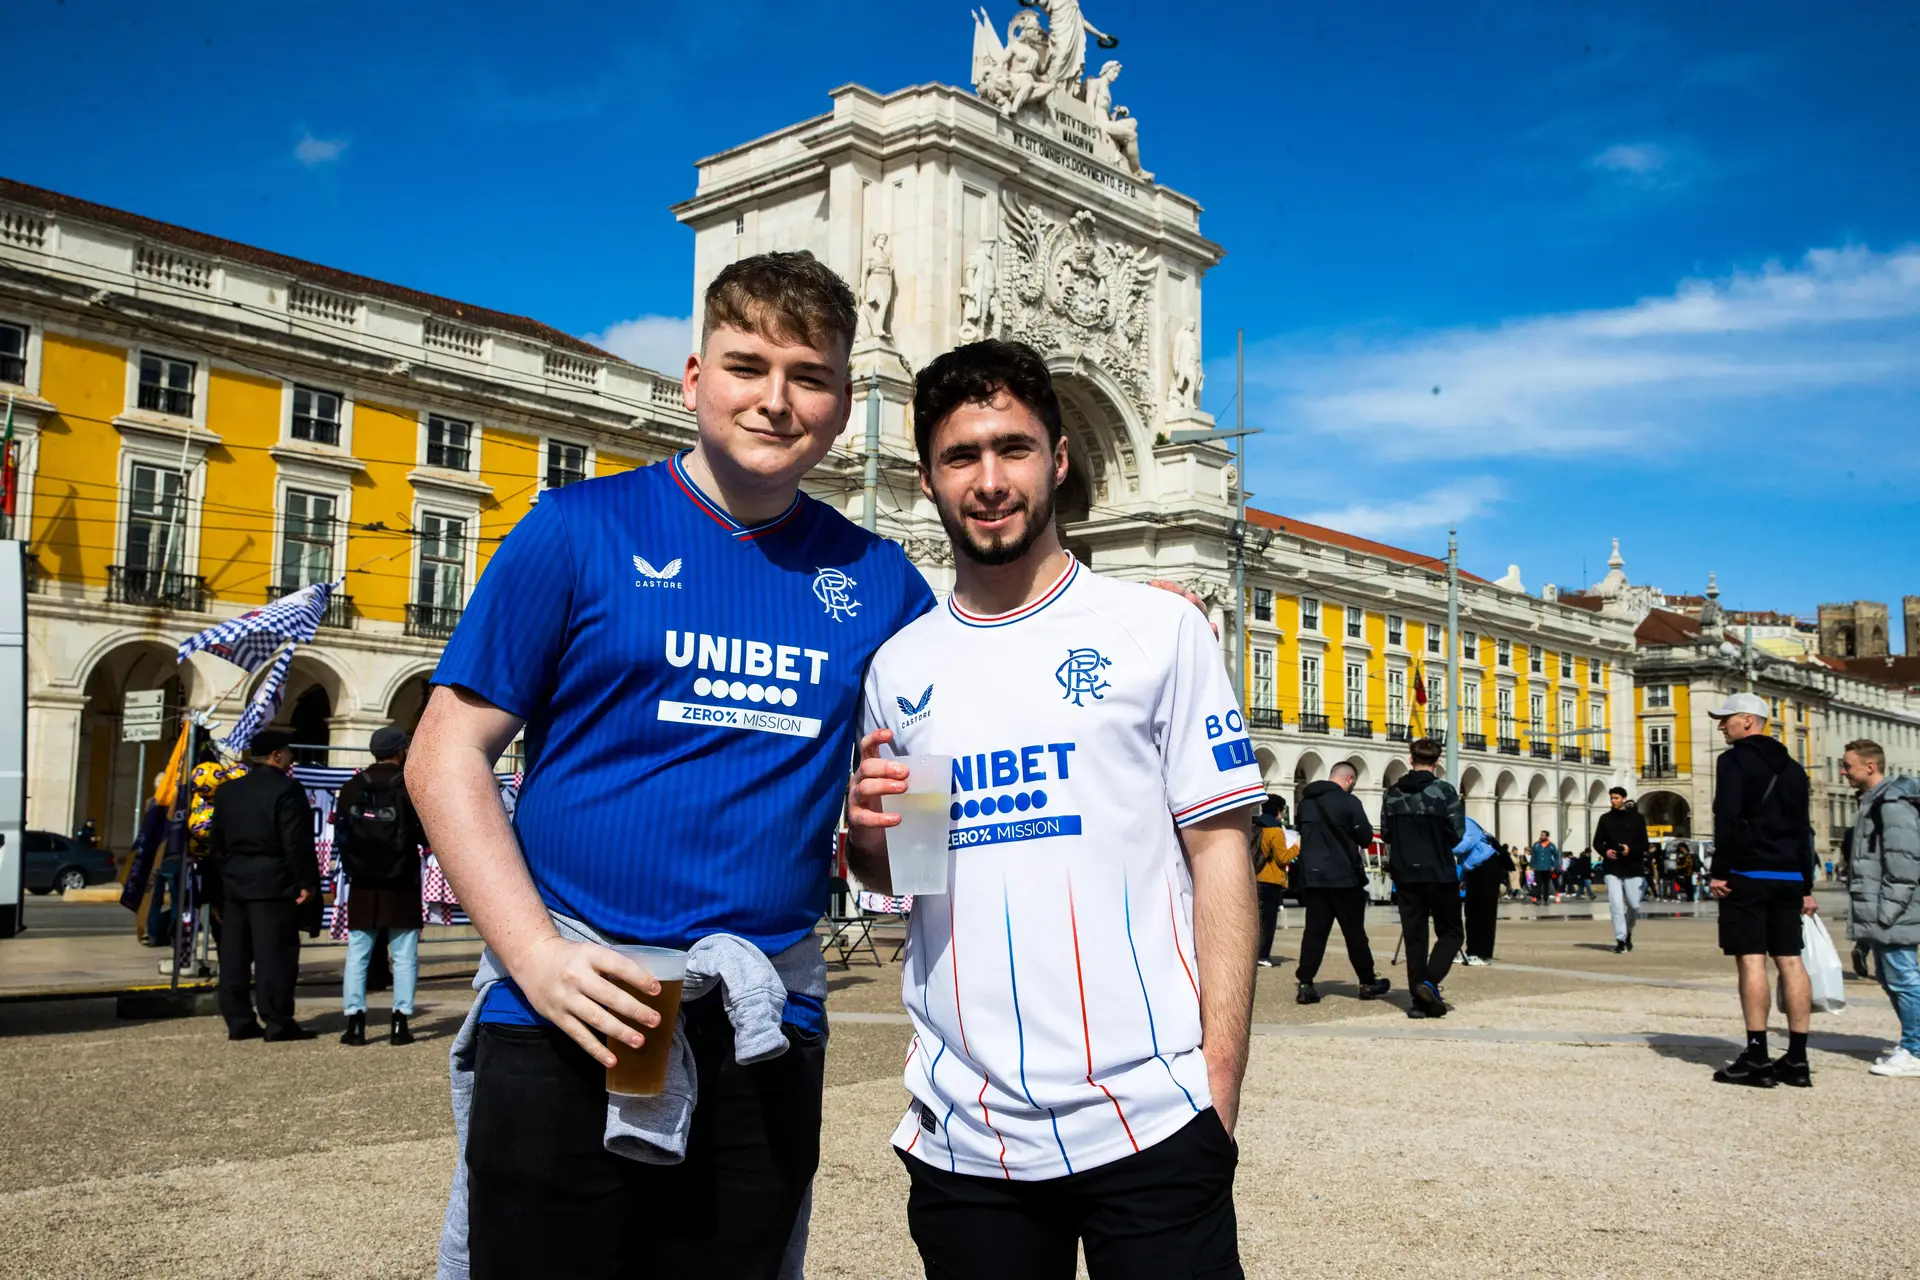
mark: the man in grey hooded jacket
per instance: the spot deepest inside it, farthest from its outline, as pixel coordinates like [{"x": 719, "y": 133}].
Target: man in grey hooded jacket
[{"x": 1884, "y": 854}]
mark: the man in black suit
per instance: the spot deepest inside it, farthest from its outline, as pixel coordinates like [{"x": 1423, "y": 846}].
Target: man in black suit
[{"x": 261, "y": 844}]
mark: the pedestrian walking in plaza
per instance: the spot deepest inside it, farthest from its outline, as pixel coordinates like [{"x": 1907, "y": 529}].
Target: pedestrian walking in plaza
[
  {"x": 377, "y": 837},
  {"x": 1583, "y": 874},
  {"x": 1763, "y": 876},
  {"x": 1126, "y": 911},
  {"x": 1331, "y": 877},
  {"x": 260, "y": 845},
  {"x": 1423, "y": 820},
  {"x": 1621, "y": 837},
  {"x": 1484, "y": 878},
  {"x": 1544, "y": 856},
  {"x": 1274, "y": 848},
  {"x": 1684, "y": 869},
  {"x": 1884, "y": 902}
]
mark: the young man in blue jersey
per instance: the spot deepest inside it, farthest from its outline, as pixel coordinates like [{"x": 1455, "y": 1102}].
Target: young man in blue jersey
[
  {"x": 683, "y": 645},
  {"x": 1080, "y": 994}
]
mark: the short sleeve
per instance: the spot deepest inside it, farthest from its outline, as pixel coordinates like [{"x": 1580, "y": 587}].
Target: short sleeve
[
  {"x": 1205, "y": 753},
  {"x": 510, "y": 638},
  {"x": 916, "y": 596}
]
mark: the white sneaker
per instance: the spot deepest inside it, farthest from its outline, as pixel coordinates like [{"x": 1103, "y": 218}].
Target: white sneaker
[
  {"x": 1475, "y": 962},
  {"x": 1898, "y": 1063}
]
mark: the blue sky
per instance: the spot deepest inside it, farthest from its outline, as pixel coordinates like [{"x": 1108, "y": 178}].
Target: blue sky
[{"x": 1560, "y": 272}]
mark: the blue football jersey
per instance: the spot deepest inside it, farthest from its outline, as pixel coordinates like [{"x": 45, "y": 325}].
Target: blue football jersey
[{"x": 691, "y": 691}]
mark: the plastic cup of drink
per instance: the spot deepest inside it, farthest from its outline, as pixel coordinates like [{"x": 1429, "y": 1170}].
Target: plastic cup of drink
[
  {"x": 917, "y": 849},
  {"x": 642, "y": 1072}
]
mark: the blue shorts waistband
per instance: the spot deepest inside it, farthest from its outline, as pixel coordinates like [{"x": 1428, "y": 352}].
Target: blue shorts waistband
[{"x": 1771, "y": 875}]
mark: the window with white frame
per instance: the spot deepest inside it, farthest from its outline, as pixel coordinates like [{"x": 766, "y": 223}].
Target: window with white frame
[
  {"x": 1594, "y": 671},
  {"x": 1537, "y": 712},
  {"x": 306, "y": 540},
  {"x": 1356, "y": 692},
  {"x": 1356, "y": 623},
  {"x": 316, "y": 415},
  {"x": 1659, "y": 749},
  {"x": 1263, "y": 689},
  {"x": 1536, "y": 660},
  {"x": 566, "y": 464},
  {"x": 1503, "y": 711},
  {"x": 1310, "y": 703},
  {"x": 1436, "y": 695},
  {"x": 1470, "y": 705},
  {"x": 1566, "y": 665},
  {"x": 1262, "y": 604},
  {"x": 166, "y": 385},
  {"x": 13, "y": 354},
  {"x": 449, "y": 443},
  {"x": 1567, "y": 724},
  {"x": 443, "y": 561},
  {"x": 1309, "y": 614},
  {"x": 1597, "y": 719},
  {"x": 156, "y": 524},
  {"x": 1503, "y": 654},
  {"x": 1469, "y": 646},
  {"x": 1396, "y": 631},
  {"x": 1659, "y": 697},
  {"x": 1436, "y": 637},
  {"x": 1396, "y": 695}
]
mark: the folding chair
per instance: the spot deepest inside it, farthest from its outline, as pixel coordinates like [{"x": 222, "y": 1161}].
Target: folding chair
[{"x": 848, "y": 927}]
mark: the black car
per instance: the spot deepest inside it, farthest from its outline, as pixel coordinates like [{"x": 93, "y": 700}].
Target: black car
[{"x": 59, "y": 863}]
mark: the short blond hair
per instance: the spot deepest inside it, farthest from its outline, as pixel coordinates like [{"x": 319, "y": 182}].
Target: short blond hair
[{"x": 788, "y": 297}]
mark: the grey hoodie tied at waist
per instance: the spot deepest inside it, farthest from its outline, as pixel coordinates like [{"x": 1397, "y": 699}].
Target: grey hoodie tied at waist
[{"x": 652, "y": 1130}]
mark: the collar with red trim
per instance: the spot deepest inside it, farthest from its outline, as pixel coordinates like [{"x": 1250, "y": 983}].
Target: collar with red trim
[
  {"x": 1025, "y": 611},
  {"x": 739, "y": 532}
]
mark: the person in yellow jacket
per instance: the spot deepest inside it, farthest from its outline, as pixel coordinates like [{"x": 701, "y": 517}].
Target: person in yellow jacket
[{"x": 1275, "y": 846}]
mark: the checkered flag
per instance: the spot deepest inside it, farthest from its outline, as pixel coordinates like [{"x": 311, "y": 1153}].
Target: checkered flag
[
  {"x": 264, "y": 704},
  {"x": 250, "y": 640}
]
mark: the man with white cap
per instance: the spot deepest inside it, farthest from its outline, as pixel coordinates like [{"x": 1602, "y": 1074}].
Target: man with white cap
[{"x": 1762, "y": 873}]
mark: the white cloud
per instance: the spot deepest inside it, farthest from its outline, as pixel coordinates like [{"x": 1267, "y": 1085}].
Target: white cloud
[
  {"x": 1673, "y": 369},
  {"x": 660, "y": 343},
  {"x": 1639, "y": 158},
  {"x": 314, "y": 152},
  {"x": 1425, "y": 513}
]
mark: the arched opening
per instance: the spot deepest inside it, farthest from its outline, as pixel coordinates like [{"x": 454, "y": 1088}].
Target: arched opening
[
  {"x": 1269, "y": 765},
  {"x": 1309, "y": 768},
  {"x": 1667, "y": 814},
  {"x": 1395, "y": 770},
  {"x": 307, "y": 721},
  {"x": 1505, "y": 819},
  {"x": 408, "y": 703},
  {"x": 1101, "y": 463},
  {"x": 114, "y": 775},
  {"x": 1538, "y": 818}
]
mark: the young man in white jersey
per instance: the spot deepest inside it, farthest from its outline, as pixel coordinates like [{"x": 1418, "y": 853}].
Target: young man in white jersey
[{"x": 1081, "y": 993}]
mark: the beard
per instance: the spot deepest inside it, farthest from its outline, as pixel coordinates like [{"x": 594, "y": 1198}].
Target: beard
[{"x": 999, "y": 549}]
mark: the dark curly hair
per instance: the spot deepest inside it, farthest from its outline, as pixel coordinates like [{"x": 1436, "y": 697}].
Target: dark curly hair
[{"x": 974, "y": 374}]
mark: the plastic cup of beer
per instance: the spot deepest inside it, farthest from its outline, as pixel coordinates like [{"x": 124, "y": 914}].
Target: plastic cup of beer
[
  {"x": 917, "y": 849},
  {"x": 642, "y": 1072}
]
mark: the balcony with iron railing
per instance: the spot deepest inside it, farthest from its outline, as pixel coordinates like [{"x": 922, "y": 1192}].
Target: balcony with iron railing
[
  {"x": 1398, "y": 732},
  {"x": 1474, "y": 741},
  {"x": 1265, "y": 717},
  {"x": 1540, "y": 749},
  {"x": 339, "y": 605},
  {"x": 1570, "y": 754},
  {"x": 1509, "y": 746},
  {"x": 1660, "y": 769},
  {"x": 432, "y": 621},
  {"x": 1313, "y": 722},
  {"x": 1359, "y": 728},
  {"x": 156, "y": 588},
  {"x": 1602, "y": 756}
]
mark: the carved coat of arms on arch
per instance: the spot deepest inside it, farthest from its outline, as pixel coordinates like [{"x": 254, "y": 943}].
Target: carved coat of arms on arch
[{"x": 1067, "y": 289}]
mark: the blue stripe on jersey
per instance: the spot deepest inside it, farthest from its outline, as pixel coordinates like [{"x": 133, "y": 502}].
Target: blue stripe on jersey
[
  {"x": 691, "y": 701},
  {"x": 1006, "y": 909},
  {"x": 1153, "y": 1036}
]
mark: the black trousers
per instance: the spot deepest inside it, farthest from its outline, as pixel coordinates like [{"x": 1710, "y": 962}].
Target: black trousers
[
  {"x": 259, "y": 959},
  {"x": 1270, "y": 895},
  {"x": 547, "y": 1199},
  {"x": 1165, "y": 1213},
  {"x": 1483, "y": 912},
  {"x": 1324, "y": 906},
  {"x": 1438, "y": 905}
]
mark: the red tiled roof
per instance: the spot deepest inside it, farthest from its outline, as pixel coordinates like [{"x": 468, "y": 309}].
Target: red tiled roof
[
  {"x": 311, "y": 272},
  {"x": 1662, "y": 626},
  {"x": 1900, "y": 670},
  {"x": 1581, "y": 600},
  {"x": 1348, "y": 542}
]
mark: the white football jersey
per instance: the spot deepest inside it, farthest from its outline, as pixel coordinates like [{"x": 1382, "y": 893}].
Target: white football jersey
[{"x": 1053, "y": 989}]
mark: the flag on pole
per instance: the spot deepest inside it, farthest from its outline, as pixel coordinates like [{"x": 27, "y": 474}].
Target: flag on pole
[
  {"x": 250, "y": 640},
  {"x": 1419, "y": 687},
  {"x": 9, "y": 469},
  {"x": 265, "y": 702}
]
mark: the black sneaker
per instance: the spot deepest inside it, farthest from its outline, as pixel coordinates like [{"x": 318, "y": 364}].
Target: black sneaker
[
  {"x": 1375, "y": 989},
  {"x": 1427, "y": 1002},
  {"x": 1620, "y": 947},
  {"x": 247, "y": 1031},
  {"x": 1797, "y": 1074},
  {"x": 356, "y": 1032},
  {"x": 292, "y": 1031},
  {"x": 1629, "y": 942},
  {"x": 1744, "y": 1070},
  {"x": 1308, "y": 994},
  {"x": 397, "y": 1032}
]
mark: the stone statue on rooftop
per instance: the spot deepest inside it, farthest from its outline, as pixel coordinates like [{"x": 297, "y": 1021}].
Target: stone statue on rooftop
[
  {"x": 976, "y": 294},
  {"x": 877, "y": 292},
  {"x": 1067, "y": 32},
  {"x": 1183, "y": 388},
  {"x": 1117, "y": 123},
  {"x": 1012, "y": 75}
]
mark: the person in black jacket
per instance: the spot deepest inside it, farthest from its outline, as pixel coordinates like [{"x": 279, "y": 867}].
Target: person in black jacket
[
  {"x": 1423, "y": 820},
  {"x": 1332, "y": 880},
  {"x": 377, "y": 835},
  {"x": 261, "y": 846},
  {"x": 1621, "y": 838},
  {"x": 1762, "y": 873}
]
